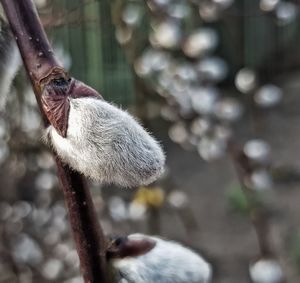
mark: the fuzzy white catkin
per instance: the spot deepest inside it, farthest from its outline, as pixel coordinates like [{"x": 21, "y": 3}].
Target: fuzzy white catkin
[
  {"x": 167, "y": 262},
  {"x": 106, "y": 144}
]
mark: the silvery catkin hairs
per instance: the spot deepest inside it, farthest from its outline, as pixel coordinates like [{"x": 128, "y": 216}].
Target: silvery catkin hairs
[
  {"x": 165, "y": 262},
  {"x": 107, "y": 144}
]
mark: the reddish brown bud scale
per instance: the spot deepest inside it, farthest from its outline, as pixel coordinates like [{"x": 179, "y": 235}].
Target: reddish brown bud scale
[
  {"x": 56, "y": 107},
  {"x": 124, "y": 247},
  {"x": 58, "y": 88}
]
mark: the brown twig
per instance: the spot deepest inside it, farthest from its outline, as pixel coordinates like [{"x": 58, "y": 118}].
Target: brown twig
[
  {"x": 258, "y": 214},
  {"x": 87, "y": 232},
  {"x": 42, "y": 65}
]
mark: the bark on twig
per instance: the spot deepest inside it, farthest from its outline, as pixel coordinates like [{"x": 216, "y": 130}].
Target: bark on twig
[
  {"x": 87, "y": 232},
  {"x": 41, "y": 64}
]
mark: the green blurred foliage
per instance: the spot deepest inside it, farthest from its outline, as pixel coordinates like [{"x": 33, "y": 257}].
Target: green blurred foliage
[
  {"x": 247, "y": 38},
  {"x": 237, "y": 200},
  {"x": 241, "y": 202},
  {"x": 295, "y": 250},
  {"x": 88, "y": 35}
]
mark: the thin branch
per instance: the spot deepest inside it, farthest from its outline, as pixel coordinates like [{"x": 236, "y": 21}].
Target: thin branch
[
  {"x": 42, "y": 68},
  {"x": 91, "y": 245},
  {"x": 258, "y": 214}
]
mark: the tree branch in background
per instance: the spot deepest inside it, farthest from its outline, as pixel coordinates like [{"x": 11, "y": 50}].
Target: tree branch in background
[
  {"x": 45, "y": 72},
  {"x": 258, "y": 214}
]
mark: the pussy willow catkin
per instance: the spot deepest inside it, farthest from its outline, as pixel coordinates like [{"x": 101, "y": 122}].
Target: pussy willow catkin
[
  {"x": 166, "y": 262},
  {"x": 107, "y": 144}
]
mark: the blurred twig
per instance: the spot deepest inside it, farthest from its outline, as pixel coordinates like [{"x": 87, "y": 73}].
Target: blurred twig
[{"x": 258, "y": 214}]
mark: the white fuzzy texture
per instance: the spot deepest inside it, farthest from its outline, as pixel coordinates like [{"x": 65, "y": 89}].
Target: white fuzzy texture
[
  {"x": 266, "y": 271},
  {"x": 107, "y": 144},
  {"x": 167, "y": 262},
  {"x": 11, "y": 65}
]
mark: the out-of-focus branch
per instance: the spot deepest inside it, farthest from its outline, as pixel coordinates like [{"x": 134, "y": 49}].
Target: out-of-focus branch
[
  {"x": 42, "y": 67},
  {"x": 257, "y": 213}
]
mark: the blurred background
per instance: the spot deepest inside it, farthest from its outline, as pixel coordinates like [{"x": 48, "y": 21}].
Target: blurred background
[{"x": 218, "y": 83}]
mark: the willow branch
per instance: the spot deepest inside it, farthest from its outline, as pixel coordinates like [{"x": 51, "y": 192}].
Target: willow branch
[
  {"x": 258, "y": 214},
  {"x": 42, "y": 67}
]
